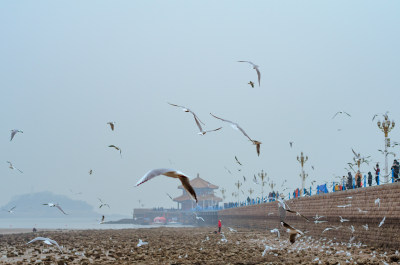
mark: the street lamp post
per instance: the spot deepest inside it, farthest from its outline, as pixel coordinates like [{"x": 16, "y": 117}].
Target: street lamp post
[
  {"x": 386, "y": 126},
  {"x": 303, "y": 175}
]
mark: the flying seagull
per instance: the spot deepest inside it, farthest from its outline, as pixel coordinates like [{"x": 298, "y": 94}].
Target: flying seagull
[
  {"x": 103, "y": 204},
  {"x": 12, "y": 167},
  {"x": 117, "y": 148},
  {"x": 251, "y": 83},
  {"x": 237, "y": 160},
  {"x": 237, "y": 127},
  {"x": 365, "y": 226},
  {"x": 47, "y": 241},
  {"x": 341, "y": 112},
  {"x": 344, "y": 206},
  {"x": 12, "y": 209},
  {"x": 198, "y": 217},
  {"x": 292, "y": 231},
  {"x": 231, "y": 229},
  {"x": 102, "y": 220},
  {"x": 343, "y": 220},
  {"x": 170, "y": 196},
  {"x": 318, "y": 221},
  {"x": 228, "y": 170},
  {"x": 284, "y": 206},
  {"x": 382, "y": 222},
  {"x": 291, "y": 144},
  {"x": 361, "y": 211},
  {"x": 14, "y": 132},
  {"x": 90, "y": 172},
  {"x": 196, "y": 119},
  {"x": 169, "y": 173},
  {"x": 112, "y": 124},
  {"x": 276, "y": 230},
  {"x": 378, "y": 202},
  {"x": 255, "y": 67},
  {"x": 50, "y": 204}
]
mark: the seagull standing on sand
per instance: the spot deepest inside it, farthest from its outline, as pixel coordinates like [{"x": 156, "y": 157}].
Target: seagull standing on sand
[
  {"x": 141, "y": 243},
  {"x": 50, "y": 204},
  {"x": 14, "y": 132},
  {"x": 13, "y": 168},
  {"x": 292, "y": 231},
  {"x": 169, "y": 173},
  {"x": 196, "y": 119},
  {"x": 255, "y": 67},
  {"x": 237, "y": 127},
  {"x": 112, "y": 124},
  {"x": 47, "y": 241}
]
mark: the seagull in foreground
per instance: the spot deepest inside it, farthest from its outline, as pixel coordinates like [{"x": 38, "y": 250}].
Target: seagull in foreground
[
  {"x": 112, "y": 124},
  {"x": 14, "y": 132},
  {"x": 198, "y": 217},
  {"x": 13, "y": 168},
  {"x": 292, "y": 231},
  {"x": 276, "y": 230},
  {"x": 382, "y": 222},
  {"x": 103, "y": 204},
  {"x": 343, "y": 220},
  {"x": 341, "y": 112},
  {"x": 251, "y": 83},
  {"x": 196, "y": 119},
  {"x": 237, "y": 127},
  {"x": 231, "y": 229},
  {"x": 47, "y": 241},
  {"x": 117, "y": 148},
  {"x": 141, "y": 243},
  {"x": 255, "y": 67},
  {"x": 378, "y": 201},
  {"x": 237, "y": 160},
  {"x": 50, "y": 204},
  {"x": 169, "y": 173}
]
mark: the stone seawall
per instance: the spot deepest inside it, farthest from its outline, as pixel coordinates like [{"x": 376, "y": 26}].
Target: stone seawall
[{"x": 266, "y": 216}]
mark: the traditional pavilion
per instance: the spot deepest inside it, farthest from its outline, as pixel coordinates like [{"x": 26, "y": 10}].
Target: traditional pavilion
[{"x": 205, "y": 195}]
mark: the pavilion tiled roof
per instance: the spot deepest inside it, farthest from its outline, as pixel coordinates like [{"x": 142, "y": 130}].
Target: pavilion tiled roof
[
  {"x": 205, "y": 197},
  {"x": 199, "y": 183}
]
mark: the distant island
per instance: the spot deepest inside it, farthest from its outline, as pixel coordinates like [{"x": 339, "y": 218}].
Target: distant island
[{"x": 31, "y": 206}]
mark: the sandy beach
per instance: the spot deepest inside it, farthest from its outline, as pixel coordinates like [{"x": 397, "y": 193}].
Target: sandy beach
[{"x": 184, "y": 246}]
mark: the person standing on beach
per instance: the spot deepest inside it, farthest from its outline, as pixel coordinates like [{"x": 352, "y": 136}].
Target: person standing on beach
[
  {"x": 395, "y": 168},
  {"x": 219, "y": 226},
  {"x": 369, "y": 179},
  {"x": 377, "y": 172},
  {"x": 349, "y": 181},
  {"x": 358, "y": 177}
]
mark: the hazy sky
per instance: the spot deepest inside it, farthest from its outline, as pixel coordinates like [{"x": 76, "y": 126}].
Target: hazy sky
[{"x": 69, "y": 67}]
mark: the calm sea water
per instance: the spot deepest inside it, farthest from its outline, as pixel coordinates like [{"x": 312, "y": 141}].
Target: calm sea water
[{"x": 59, "y": 223}]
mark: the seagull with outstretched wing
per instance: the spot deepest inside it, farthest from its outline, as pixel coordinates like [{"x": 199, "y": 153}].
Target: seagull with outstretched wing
[
  {"x": 50, "y": 204},
  {"x": 255, "y": 67},
  {"x": 237, "y": 161},
  {"x": 237, "y": 127},
  {"x": 13, "y": 168},
  {"x": 196, "y": 119},
  {"x": 103, "y": 204},
  {"x": 112, "y": 124},
  {"x": 14, "y": 132},
  {"x": 47, "y": 241},
  {"x": 169, "y": 173},
  {"x": 116, "y": 148},
  {"x": 293, "y": 232},
  {"x": 341, "y": 112}
]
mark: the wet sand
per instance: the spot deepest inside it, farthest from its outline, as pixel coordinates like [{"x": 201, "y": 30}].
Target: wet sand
[{"x": 185, "y": 246}]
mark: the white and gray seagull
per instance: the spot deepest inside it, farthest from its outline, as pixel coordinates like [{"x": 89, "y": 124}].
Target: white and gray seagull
[
  {"x": 14, "y": 132},
  {"x": 11, "y": 210},
  {"x": 198, "y": 217},
  {"x": 255, "y": 67},
  {"x": 169, "y": 173},
  {"x": 382, "y": 222},
  {"x": 293, "y": 232},
  {"x": 343, "y": 220},
  {"x": 103, "y": 204},
  {"x": 237, "y": 127},
  {"x": 14, "y": 168},
  {"x": 50, "y": 204},
  {"x": 47, "y": 241},
  {"x": 341, "y": 112},
  {"x": 196, "y": 119}
]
